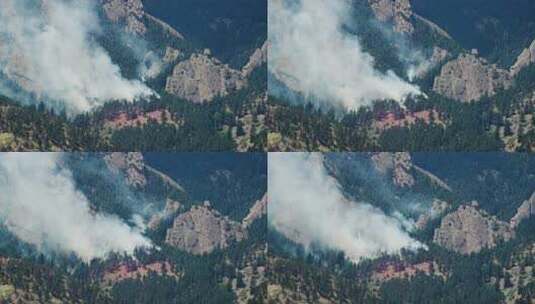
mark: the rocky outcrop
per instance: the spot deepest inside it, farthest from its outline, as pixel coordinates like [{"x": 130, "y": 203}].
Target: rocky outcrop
[
  {"x": 202, "y": 230},
  {"x": 398, "y": 12},
  {"x": 127, "y": 12},
  {"x": 131, "y": 14},
  {"x": 202, "y": 78},
  {"x": 468, "y": 78},
  {"x": 258, "y": 210},
  {"x": 258, "y": 58},
  {"x": 468, "y": 230},
  {"x": 399, "y": 164},
  {"x": 526, "y": 58},
  {"x": 402, "y": 167},
  {"x": 438, "y": 207},
  {"x": 131, "y": 165},
  {"x": 171, "y": 55},
  {"x": 525, "y": 211}
]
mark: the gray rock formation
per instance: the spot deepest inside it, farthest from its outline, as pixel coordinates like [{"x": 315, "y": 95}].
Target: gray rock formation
[
  {"x": 171, "y": 55},
  {"x": 258, "y": 210},
  {"x": 130, "y": 164},
  {"x": 135, "y": 19},
  {"x": 399, "y": 164},
  {"x": 525, "y": 211},
  {"x": 201, "y": 78},
  {"x": 402, "y": 167},
  {"x": 202, "y": 229},
  {"x": 526, "y": 58},
  {"x": 468, "y": 78},
  {"x": 258, "y": 58},
  {"x": 396, "y": 11},
  {"x": 129, "y": 12},
  {"x": 468, "y": 230}
]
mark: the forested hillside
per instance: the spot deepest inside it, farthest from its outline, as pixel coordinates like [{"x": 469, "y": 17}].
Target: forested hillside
[
  {"x": 220, "y": 260},
  {"x": 473, "y": 212},
  {"x": 476, "y": 82},
  {"x": 182, "y": 55}
]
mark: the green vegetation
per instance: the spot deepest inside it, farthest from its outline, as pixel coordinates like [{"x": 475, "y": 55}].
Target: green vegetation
[
  {"x": 461, "y": 126},
  {"x": 186, "y": 278},
  {"x": 499, "y": 181}
]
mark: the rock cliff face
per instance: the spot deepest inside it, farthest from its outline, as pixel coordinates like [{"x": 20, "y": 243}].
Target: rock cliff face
[
  {"x": 526, "y": 58},
  {"x": 400, "y": 164},
  {"x": 132, "y": 15},
  {"x": 258, "y": 58},
  {"x": 171, "y": 54},
  {"x": 201, "y": 78},
  {"x": 396, "y": 11},
  {"x": 402, "y": 168},
  {"x": 258, "y": 210},
  {"x": 202, "y": 230},
  {"x": 130, "y": 164},
  {"x": 128, "y": 12},
  {"x": 468, "y": 78},
  {"x": 525, "y": 211},
  {"x": 468, "y": 230}
]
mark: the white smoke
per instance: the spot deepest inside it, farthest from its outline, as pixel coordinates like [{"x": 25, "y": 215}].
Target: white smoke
[
  {"x": 307, "y": 206},
  {"x": 311, "y": 54},
  {"x": 41, "y": 206},
  {"x": 47, "y": 48}
]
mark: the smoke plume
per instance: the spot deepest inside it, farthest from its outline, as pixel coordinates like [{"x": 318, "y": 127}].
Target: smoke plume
[
  {"x": 41, "y": 206},
  {"x": 310, "y": 53},
  {"x": 308, "y": 207},
  {"x": 47, "y": 47}
]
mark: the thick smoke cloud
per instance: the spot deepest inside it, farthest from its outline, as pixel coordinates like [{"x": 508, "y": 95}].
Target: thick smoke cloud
[
  {"x": 307, "y": 206},
  {"x": 47, "y": 47},
  {"x": 41, "y": 206},
  {"x": 311, "y": 54}
]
